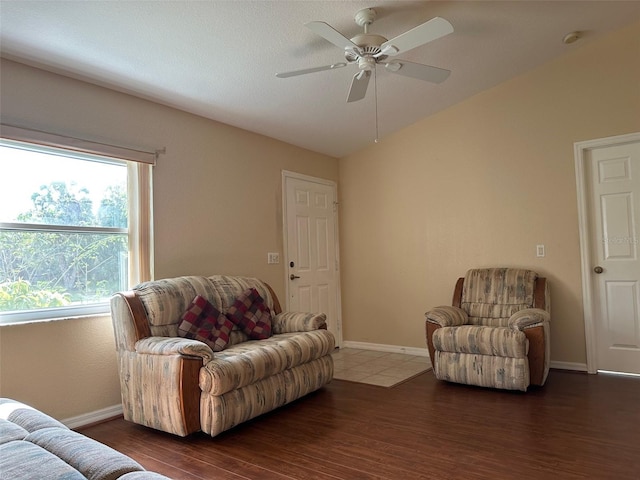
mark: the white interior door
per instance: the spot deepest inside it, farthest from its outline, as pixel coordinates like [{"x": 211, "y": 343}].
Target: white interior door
[
  {"x": 613, "y": 185},
  {"x": 311, "y": 248}
]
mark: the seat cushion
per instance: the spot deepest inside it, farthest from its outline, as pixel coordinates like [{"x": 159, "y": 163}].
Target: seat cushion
[
  {"x": 26, "y": 416},
  {"x": 9, "y": 431},
  {"x": 494, "y": 341},
  {"x": 93, "y": 459},
  {"x": 20, "y": 460},
  {"x": 249, "y": 362}
]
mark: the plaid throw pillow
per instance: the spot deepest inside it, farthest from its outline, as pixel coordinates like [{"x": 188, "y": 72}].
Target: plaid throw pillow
[
  {"x": 251, "y": 315},
  {"x": 202, "y": 321}
]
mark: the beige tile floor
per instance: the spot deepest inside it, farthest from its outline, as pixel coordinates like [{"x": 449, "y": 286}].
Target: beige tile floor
[{"x": 376, "y": 368}]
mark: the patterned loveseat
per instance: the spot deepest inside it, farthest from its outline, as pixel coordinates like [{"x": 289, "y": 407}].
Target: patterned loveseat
[
  {"x": 181, "y": 385},
  {"x": 34, "y": 445}
]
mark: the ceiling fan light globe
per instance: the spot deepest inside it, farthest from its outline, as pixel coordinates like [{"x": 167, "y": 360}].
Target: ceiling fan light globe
[{"x": 366, "y": 63}]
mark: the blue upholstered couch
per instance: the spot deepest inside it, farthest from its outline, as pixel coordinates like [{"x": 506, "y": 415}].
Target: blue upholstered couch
[{"x": 34, "y": 445}]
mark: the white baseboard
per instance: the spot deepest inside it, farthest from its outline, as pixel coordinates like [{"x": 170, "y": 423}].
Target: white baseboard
[
  {"x": 578, "y": 367},
  {"x": 379, "y": 347},
  {"x": 93, "y": 417}
]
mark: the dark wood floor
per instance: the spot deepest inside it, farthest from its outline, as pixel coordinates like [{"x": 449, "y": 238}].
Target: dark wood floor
[{"x": 577, "y": 426}]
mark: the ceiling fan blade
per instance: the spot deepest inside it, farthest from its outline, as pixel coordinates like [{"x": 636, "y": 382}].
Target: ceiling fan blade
[
  {"x": 418, "y": 70},
  {"x": 359, "y": 86},
  {"x": 304, "y": 71},
  {"x": 330, "y": 34},
  {"x": 427, "y": 32}
]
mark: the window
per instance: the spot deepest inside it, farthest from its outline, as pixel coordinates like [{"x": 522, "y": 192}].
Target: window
[{"x": 74, "y": 228}]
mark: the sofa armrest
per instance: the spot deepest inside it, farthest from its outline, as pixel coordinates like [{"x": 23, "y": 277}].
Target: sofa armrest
[
  {"x": 447, "y": 316},
  {"x": 290, "y": 322},
  {"x": 174, "y": 346},
  {"x": 528, "y": 317}
]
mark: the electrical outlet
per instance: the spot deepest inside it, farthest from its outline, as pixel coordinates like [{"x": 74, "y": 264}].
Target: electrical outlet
[
  {"x": 273, "y": 257},
  {"x": 539, "y": 250}
]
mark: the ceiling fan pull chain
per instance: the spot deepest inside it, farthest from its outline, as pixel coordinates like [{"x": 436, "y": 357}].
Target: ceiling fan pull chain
[{"x": 375, "y": 91}]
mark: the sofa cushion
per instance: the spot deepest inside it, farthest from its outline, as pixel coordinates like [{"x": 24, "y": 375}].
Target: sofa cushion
[
  {"x": 227, "y": 288},
  {"x": 249, "y": 362},
  {"x": 95, "y": 460},
  {"x": 9, "y": 431},
  {"x": 251, "y": 314},
  {"x": 202, "y": 321},
  {"x": 20, "y": 460},
  {"x": 26, "y": 416},
  {"x": 166, "y": 300}
]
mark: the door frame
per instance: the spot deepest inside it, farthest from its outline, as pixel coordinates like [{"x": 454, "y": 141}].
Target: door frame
[
  {"x": 286, "y": 174},
  {"x": 586, "y": 243}
]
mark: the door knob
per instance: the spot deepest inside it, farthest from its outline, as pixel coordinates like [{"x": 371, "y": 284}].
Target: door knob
[
  {"x": 293, "y": 277},
  {"x": 598, "y": 269}
]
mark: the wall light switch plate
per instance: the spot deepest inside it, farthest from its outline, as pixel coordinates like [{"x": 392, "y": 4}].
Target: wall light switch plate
[
  {"x": 539, "y": 250},
  {"x": 273, "y": 257}
]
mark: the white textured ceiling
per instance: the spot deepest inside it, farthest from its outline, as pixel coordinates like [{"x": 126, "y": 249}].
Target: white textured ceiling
[{"x": 218, "y": 59}]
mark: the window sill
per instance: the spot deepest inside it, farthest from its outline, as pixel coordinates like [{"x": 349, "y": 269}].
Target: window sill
[{"x": 54, "y": 315}]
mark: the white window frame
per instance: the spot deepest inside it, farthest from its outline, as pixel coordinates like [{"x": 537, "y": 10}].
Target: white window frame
[{"x": 140, "y": 215}]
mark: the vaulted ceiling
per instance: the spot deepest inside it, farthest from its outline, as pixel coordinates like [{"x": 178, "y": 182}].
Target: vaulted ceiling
[{"x": 218, "y": 59}]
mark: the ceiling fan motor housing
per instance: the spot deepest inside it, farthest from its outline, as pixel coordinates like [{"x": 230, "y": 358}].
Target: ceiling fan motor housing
[{"x": 369, "y": 45}]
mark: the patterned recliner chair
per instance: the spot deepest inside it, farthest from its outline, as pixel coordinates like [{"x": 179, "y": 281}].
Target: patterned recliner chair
[
  {"x": 183, "y": 385},
  {"x": 496, "y": 334}
]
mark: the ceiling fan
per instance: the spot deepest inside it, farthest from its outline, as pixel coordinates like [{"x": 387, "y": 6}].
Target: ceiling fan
[{"x": 368, "y": 50}]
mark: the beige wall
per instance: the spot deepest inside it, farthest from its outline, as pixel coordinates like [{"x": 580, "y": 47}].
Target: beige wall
[
  {"x": 67, "y": 368},
  {"x": 481, "y": 184},
  {"x": 217, "y": 208}
]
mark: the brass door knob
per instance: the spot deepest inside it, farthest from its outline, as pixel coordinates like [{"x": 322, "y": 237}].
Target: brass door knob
[{"x": 598, "y": 269}]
